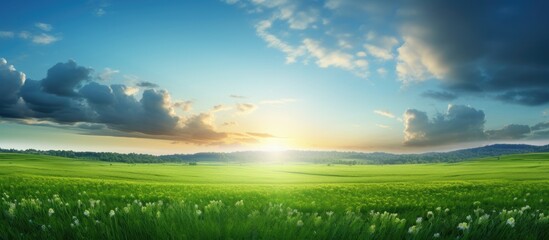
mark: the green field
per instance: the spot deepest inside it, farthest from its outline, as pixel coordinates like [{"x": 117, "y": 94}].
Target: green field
[{"x": 47, "y": 197}]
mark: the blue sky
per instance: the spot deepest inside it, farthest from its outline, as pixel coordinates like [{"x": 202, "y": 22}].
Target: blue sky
[{"x": 400, "y": 76}]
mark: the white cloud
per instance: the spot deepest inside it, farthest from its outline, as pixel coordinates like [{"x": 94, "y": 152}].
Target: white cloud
[
  {"x": 44, "y": 39},
  {"x": 383, "y": 126},
  {"x": 379, "y": 52},
  {"x": 328, "y": 58},
  {"x": 100, "y": 12},
  {"x": 361, "y": 54},
  {"x": 25, "y": 35},
  {"x": 301, "y": 20},
  {"x": 293, "y": 28},
  {"x": 43, "y": 26},
  {"x": 384, "y": 113},
  {"x": 417, "y": 62},
  {"x": 292, "y": 53},
  {"x": 332, "y": 4},
  {"x": 246, "y": 107},
  {"x": 6, "y": 34},
  {"x": 220, "y": 108},
  {"x": 107, "y": 74},
  {"x": 381, "y": 71},
  {"x": 186, "y": 106}
]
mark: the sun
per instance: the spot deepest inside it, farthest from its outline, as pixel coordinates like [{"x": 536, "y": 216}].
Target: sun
[{"x": 274, "y": 145}]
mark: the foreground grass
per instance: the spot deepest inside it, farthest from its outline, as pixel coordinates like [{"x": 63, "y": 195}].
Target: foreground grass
[{"x": 381, "y": 202}]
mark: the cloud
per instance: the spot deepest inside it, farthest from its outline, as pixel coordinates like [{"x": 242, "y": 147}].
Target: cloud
[
  {"x": 237, "y": 96},
  {"x": 382, "y": 71},
  {"x": 69, "y": 97},
  {"x": 43, "y": 26},
  {"x": 24, "y": 35},
  {"x": 260, "y": 135},
  {"x": 540, "y": 126},
  {"x": 378, "y": 52},
  {"x": 186, "y": 106},
  {"x": 513, "y": 131},
  {"x": 528, "y": 97},
  {"x": 90, "y": 126},
  {"x": 292, "y": 52},
  {"x": 442, "y": 95},
  {"x": 231, "y": 1},
  {"x": 40, "y": 38},
  {"x": 496, "y": 48},
  {"x": 459, "y": 124},
  {"x": 383, "y": 126},
  {"x": 246, "y": 107},
  {"x": 44, "y": 39},
  {"x": 146, "y": 84},
  {"x": 225, "y": 124},
  {"x": 288, "y": 26},
  {"x": 335, "y": 58},
  {"x": 49, "y": 106},
  {"x": 63, "y": 78},
  {"x": 99, "y": 12},
  {"x": 384, "y": 113},
  {"x": 11, "y": 82},
  {"x": 220, "y": 108},
  {"x": 6, "y": 34},
  {"x": 107, "y": 74}
]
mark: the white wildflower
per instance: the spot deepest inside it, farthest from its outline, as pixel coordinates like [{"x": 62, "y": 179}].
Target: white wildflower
[
  {"x": 436, "y": 235},
  {"x": 511, "y": 222},
  {"x": 419, "y": 220},
  {"x": 413, "y": 229},
  {"x": 463, "y": 226},
  {"x": 86, "y": 213},
  {"x": 50, "y": 212},
  {"x": 299, "y": 223},
  {"x": 111, "y": 213}
]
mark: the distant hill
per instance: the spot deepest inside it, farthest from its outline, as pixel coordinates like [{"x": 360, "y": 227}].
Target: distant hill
[{"x": 294, "y": 156}]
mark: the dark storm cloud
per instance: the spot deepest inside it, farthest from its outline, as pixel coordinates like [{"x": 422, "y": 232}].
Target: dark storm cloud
[
  {"x": 540, "y": 126},
  {"x": 513, "y": 131},
  {"x": 97, "y": 94},
  {"x": 442, "y": 96},
  {"x": 53, "y": 107},
  {"x": 67, "y": 96},
  {"x": 63, "y": 78},
  {"x": 528, "y": 97},
  {"x": 461, "y": 124},
  {"x": 498, "y": 47},
  {"x": 145, "y": 84},
  {"x": 458, "y": 124},
  {"x": 11, "y": 82}
]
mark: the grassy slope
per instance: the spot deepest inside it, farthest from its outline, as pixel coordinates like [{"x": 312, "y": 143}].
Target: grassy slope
[{"x": 512, "y": 167}]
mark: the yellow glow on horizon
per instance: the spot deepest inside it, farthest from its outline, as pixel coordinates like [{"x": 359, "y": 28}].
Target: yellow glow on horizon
[{"x": 274, "y": 145}]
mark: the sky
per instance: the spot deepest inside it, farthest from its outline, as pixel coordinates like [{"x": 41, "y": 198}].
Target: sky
[{"x": 191, "y": 76}]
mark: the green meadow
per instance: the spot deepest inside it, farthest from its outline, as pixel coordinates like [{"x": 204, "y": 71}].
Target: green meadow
[{"x": 46, "y": 197}]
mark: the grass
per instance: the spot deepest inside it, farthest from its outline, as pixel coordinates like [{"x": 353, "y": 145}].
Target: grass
[{"x": 174, "y": 201}]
